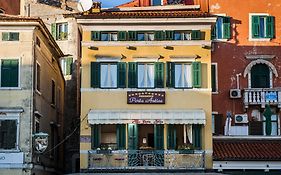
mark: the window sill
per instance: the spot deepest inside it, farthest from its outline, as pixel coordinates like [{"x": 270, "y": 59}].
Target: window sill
[
  {"x": 215, "y": 93},
  {"x": 10, "y": 88},
  {"x": 220, "y": 40},
  {"x": 259, "y": 39}
]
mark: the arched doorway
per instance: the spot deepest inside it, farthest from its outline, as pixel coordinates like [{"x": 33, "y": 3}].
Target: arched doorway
[{"x": 260, "y": 76}]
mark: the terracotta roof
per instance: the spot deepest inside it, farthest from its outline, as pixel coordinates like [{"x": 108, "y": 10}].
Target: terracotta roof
[
  {"x": 148, "y": 14},
  {"x": 247, "y": 150}
]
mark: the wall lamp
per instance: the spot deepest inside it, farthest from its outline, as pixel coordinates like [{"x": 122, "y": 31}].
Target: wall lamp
[
  {"x": 93, "y": 48},
  {"x": 123, "y": 57},
  {"x": 204, "y": 46},
  {"x": 160, "y": 57},
  {"x": 169, "y": 47},
  {"x": 131, "y": 47}
]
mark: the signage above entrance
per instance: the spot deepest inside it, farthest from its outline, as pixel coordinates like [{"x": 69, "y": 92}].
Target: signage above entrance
[{"x": 145, "y": 97}]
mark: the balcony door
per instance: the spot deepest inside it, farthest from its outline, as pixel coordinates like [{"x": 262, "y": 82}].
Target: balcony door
[{"x": 260, "y": 76}]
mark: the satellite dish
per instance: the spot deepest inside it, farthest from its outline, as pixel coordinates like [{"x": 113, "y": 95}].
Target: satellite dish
[{"x": 84, "y": 5}]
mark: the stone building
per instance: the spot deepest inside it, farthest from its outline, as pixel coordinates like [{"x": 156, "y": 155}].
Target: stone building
[{"x": 32, "y": 92}]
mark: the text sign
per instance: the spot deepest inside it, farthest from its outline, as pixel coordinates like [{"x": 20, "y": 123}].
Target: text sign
[
  {"x": 137, "y": 121},
  {"x": 11, "y": 157},
  {"x": 138, "y": 97}
]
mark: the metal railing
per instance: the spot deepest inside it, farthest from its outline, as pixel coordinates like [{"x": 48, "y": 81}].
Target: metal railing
[{"x": 262, "y": 96}]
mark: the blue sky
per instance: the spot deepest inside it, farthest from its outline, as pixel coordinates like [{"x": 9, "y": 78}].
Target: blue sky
[{"x": 112, "y": 3}]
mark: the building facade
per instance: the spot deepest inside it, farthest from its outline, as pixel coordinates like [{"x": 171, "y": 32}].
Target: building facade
[
  {"x": 32, "y": 93},
  {"x": 245, "y": 78},
  {"x": 146, "y": 89}
]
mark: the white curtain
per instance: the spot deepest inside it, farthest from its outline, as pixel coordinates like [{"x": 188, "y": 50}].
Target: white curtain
[{"x": 108, "y": 75}]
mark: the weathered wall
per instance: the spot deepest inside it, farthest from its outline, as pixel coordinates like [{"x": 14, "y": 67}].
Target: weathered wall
[{"x": 11, "y": 7}]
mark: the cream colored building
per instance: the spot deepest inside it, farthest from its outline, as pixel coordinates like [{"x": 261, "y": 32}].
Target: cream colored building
[
  {"x": 31, "y": 93},
  {"x": 146, "y": 89}
]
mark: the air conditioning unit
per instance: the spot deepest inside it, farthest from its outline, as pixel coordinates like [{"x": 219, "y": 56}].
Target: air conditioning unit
[
  {"x": 235, "y": 93},
  {"x": 241, "y": 118}
]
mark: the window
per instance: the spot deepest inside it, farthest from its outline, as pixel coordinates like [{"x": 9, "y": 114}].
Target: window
[
  {"x": 274, "y": 125},
  {"x": 175, "y": 1},
  {"x": 10, "y": 36},
  {"x": 53, "y": 92},
  {"x": 108, "y": 77},
  {"x": 221, "y": 30},
  {"x": 262, "y": 26},
  {"x": 182, "y": 35},
  {"x": 60, "y": 31},
  {"x": 141, "y": 36},
  {"x": 66, "y": 65},
  {"x": 8, "y": 134},
  {"x": 183, "y": 75},
  {"x": 214, "y": 77},
  {"x": 109, "y": 36},
  {"x": 10, "y": 73},
  {"x": 183, "y": 78},
  {"x": 145, "y": 75},
  {"x": 260, "y": 76},
  {"x": 156, "y": 2},
  {"x": 37, "y": 124},
  {"x": 38, "y": 74}
]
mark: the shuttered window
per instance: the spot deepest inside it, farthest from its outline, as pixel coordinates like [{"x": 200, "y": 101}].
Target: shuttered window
[
  {"x": 132, "y": 35},
  {"x": 159, "y": 75},
  {"x": 10, "y": 73},
  {"x": 169, "y": 35},
  {"x": 122, "y": 74},
  {"x": 222, "y": 28},
  {"x": 170, "y": 74},
  {"x": 8, "y": 134},
  {"x": 108, "y": 75},
  {"x": 159, "y": 137},
  {"x": 122, "y": 36},
  {"x": 133, "y": 136},
  {"x": 66, "y": 65},
  {"x": 172, "y": 136},
  {"x": 95, "y": 35},
  {"x": 133, "y": 75},
  {"x": 196, "y": 35},
  {"x": 95, "y": 74},
  {"x": 121, "y": 136},
  {"x": 196, "y": 70},
  {"x": 263, "y": 26},
  {"x": 95, "y": 136},
  {"x": 159, "y": 35},
  {"x": 197, "y": 136}
]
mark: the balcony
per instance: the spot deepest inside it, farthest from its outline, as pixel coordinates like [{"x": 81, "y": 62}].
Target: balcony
[{"x": 262, "y": 96}]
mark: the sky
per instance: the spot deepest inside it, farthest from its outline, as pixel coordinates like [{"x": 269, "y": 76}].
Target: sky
[{"x": 112, "y": 3}]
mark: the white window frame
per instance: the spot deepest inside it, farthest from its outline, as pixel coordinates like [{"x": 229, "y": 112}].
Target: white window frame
[
  {"x": 108, "y": 69},
  {"x": 216, "y": 70},
  {"x": 19, "y": 73},
  {"x": 264, "y": 124},
  {"x": 270, "y": 78},
  {"x": 64, "y": 29},
  {"x": 151, "y": 2},
  {"x": 145, "y": 76},
  {"x": 110, "y": 36},
  {"x": 12, "y": 117},
  {"x": 216, "y": 39},
  {"x": 250, "y": 27},
  {"x": 184, "y": 63}
]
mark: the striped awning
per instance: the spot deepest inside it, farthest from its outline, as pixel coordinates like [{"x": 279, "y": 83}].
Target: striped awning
[{"x": 192, "y": 116}]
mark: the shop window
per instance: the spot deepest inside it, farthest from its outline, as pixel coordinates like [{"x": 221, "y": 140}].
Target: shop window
[
  {"x": 10, "y": 36},
  {"x": 9, "y": 73},
  {"x": 60, "y": 31},
  {"x": 262, "y": 26},
  {"x": 221, "y": 30},
  {"x": 8, "y": 134}
]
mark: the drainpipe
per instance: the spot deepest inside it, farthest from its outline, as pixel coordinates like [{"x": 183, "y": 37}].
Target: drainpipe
[{"x": 237, "y": 80}]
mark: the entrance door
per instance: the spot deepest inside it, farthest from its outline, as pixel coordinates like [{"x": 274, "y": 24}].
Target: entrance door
[
  {"x": 260, "y": 76},
  {"x": 133, "y": 136}
]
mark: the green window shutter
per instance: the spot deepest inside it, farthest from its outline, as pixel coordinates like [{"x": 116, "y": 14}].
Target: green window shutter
[
  {"x": 133, "y": 75},
  {"x": 14, "y": 36},
  {"x": 121, "y": 136},
  {"x": 196, "y": 35},
  {"x": 159, "y": 75},
  {"x": 121, "y": 67},
  {"x": 170, "y": 74},
  {"x": 132, "y": 35},
  {"x": 5, "y": 36},
  {"x": 122, "y": 36},
  {"x": 255, "y": 27},
  {"x": 95, "y": 74},
  {"x": 95, "y": 136},
  {"x": 196, "y": 74},
  {"x": 9, "y": 73},
  {"x": 172, "y": 136},
  {"x": 213, "y": 32},
  {"x": 226, "y": 28},
  {"x": 69, "y": 62},
  {"x": 169, "y": 35},
  {"x": 54, "y": 30},
  {"x": 270, "y": 27},
  {"x": 95, "y": 36},
  {"x": 11, "y": 134},
  {"x": 159, "y": 137},
  {"x": 133, "y": 136},
  {"x": 196, "y": 136},
  {"x": 159, "y": 35}
]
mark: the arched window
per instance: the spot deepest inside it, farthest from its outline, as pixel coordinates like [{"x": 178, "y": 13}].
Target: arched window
[{"x": 260, "y": 76}]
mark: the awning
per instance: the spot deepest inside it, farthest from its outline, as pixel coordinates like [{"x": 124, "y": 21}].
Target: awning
[{"x": 195, "y": 116}]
